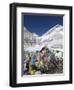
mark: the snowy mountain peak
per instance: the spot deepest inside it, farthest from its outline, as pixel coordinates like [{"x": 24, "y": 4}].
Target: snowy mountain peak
[
  {"x": 25, "y": 29},
  {"x": 56, "y": 27},
  {"x": 34, "y": 34},
  {"x": 53, "y": 38}
]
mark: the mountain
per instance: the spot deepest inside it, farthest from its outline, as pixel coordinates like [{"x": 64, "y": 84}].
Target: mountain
[
  {"x": 53, "y": 39},
  {"x": 56, "y": 27},
  {"x": 34, "y": 34},
  {"x": 29, "y": 38}
]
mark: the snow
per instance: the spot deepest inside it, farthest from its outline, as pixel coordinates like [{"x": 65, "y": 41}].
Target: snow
[
  {"x": 35, "y": 35},
  {"x": 53, "y": 37}
]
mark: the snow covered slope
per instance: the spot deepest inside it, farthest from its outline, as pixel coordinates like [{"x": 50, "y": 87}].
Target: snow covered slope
[{"x": 53, "y": 39}]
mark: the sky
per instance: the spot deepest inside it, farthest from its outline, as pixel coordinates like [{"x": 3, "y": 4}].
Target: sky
[{"x": 41, "y": 24}]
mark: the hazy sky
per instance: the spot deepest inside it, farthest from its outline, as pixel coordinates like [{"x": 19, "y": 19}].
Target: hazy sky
[{"x": 41, "y": 24}]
